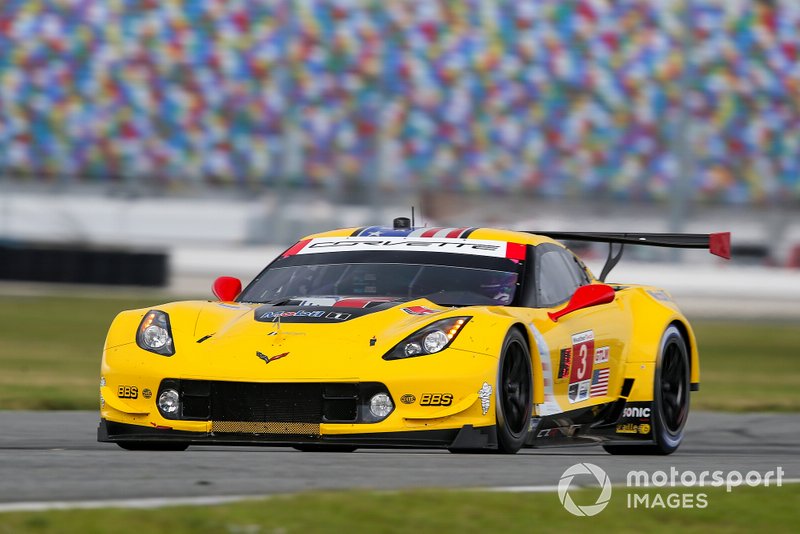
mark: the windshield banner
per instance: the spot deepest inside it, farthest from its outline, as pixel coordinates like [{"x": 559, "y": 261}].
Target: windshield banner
[{"x": 473, "y": 247}]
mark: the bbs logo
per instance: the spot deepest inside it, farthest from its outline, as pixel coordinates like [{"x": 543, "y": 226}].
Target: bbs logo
[
  {"x": 436, "y": 399},
  {"x": 128, "y": 392}
]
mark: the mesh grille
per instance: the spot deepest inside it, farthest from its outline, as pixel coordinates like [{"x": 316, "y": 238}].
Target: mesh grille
[
  {"x": 280, "y": 403},
  {"x": 249, "y": 427},
  {"x": 262, "y": 403}
]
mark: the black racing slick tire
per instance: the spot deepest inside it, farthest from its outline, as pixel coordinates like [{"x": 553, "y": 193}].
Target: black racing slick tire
[
  {"x": 152, "y": 446},
  {"x": 514, "y": 394},
  {"x": 671, "y": 398}
]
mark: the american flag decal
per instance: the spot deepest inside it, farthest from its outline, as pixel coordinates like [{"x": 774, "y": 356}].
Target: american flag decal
[
  {"x": 599, "y": 383},
  {"x": 381, "y": 231}
]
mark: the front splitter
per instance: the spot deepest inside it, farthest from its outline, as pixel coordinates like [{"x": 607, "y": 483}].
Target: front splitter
[{"x": 466, "y": 437}]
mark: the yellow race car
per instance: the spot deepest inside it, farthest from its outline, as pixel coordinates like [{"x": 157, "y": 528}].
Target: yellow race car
[{"x": 460, "y": 338}]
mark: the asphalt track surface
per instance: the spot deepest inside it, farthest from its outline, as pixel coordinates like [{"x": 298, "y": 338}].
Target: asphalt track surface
[{"x": 54, "y": 456}]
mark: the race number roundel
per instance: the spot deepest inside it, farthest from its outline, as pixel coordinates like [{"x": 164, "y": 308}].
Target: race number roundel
[{"x": 582, "y": 356}]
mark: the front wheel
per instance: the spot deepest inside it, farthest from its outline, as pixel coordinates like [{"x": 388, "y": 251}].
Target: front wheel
[
  {"x": 670, "y": 398},
  {"x": 514, "y": 393}
]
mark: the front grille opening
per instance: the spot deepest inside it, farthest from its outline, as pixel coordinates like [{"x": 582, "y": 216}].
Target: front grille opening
[
  {"x": 232, "y": 406},
  {"x": 196, "y": 407},
  {"x": 341, "y": 391},
  {"x": 236, "y": 401},
  {"x": 340, "y": 410}
]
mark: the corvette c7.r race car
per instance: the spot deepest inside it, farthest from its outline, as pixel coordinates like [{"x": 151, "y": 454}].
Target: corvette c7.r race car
[{"x": 460, "y": 338}]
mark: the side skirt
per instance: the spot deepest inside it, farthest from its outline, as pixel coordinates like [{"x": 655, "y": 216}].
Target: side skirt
[{"x": 600, "y": 424}]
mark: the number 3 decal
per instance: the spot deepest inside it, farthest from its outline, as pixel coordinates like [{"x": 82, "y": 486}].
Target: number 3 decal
[
  {"x": 584, "y": 352},
  {"x": 582, "y": 347}
]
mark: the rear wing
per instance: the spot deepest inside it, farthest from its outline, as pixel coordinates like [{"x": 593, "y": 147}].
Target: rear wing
[{"x": 718, "y": 244}]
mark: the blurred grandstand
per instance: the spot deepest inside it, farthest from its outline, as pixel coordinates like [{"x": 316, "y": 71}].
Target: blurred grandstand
[{"x": 265, "y": 116}]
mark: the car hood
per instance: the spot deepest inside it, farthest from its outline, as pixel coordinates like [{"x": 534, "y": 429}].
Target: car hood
[{"x": 301, "y": 342}]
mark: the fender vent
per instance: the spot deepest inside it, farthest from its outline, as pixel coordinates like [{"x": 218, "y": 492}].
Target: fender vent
[
  {"x": 614, "y": 411},
  {"x": 627, "y": 386}
]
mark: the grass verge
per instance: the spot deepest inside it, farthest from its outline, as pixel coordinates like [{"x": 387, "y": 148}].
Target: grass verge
[
  {"x": 747, "y": 366},
  {"x": 50, "y": 349},
  {"x": 771, "y": 509},
  {"x": 50, "y": 357}
]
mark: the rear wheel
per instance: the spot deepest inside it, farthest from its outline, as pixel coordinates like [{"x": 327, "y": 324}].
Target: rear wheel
[
  {"x": 670, "y": 398},
  {"x": 152, "y": 446},
  {"x": 514, "y": 393}
]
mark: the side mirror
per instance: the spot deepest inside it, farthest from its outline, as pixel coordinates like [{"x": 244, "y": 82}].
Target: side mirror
[
  {"x": 586, "y": 297},
  {"x": 227, "y": 288}
]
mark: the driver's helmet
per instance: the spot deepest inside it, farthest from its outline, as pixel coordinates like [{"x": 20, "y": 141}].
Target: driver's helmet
[{"x": 499, "y": 287}]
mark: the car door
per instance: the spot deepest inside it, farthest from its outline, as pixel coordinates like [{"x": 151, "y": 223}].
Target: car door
[{"x": 586, "y": 346}]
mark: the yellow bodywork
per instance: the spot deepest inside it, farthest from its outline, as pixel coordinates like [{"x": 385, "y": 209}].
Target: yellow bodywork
[{"x": 631, "y": 327}]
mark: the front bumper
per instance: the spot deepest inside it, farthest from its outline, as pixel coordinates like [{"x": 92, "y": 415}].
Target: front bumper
[{"x": 466, "y": 437}]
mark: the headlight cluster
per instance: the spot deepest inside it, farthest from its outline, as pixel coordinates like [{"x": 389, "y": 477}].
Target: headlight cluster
[
  {"x": 380, "y": 405},
  {"x": 155, "y": 334},
  {"x": 432, "y": 339},
  {"x": 169, "y": 402}
]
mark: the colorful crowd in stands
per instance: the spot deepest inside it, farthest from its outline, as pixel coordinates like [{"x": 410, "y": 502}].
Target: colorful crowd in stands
[{"x": 611, "y": 98}]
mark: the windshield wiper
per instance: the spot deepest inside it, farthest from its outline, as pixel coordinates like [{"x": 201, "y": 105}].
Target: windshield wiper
[{"x": 273, "y": 302}]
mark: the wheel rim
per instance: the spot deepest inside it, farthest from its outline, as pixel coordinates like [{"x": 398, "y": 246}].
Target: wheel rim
[
  {"x": 674, "y": 393},
  {"x": 516, "y": 388}
]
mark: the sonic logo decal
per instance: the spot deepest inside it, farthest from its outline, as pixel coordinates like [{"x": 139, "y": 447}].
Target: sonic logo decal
[{"x": 636, "y": 411}]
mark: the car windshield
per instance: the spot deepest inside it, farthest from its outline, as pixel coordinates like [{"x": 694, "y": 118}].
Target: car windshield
[{"x": 443, "y": 284}]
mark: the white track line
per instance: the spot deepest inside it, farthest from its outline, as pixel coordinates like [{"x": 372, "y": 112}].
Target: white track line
[
  {"x": 144, "y": 503},
  {"x": 159, "y": 502},
  {"x": 520, "y": 489},
  {"x": 545, "y": 489}
]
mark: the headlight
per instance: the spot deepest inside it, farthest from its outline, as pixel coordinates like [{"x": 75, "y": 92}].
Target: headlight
[
  {"x": 432, "y": 339},
  {"x": 435, "y": 341},
  {"x": 155, "y": 334},
  {"x": 381, "y": 405},
  {"x": 169, "y": 401}
]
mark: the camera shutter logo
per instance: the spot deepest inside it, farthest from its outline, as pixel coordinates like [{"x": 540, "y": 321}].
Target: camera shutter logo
[{"x": 566, "y": 480}]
